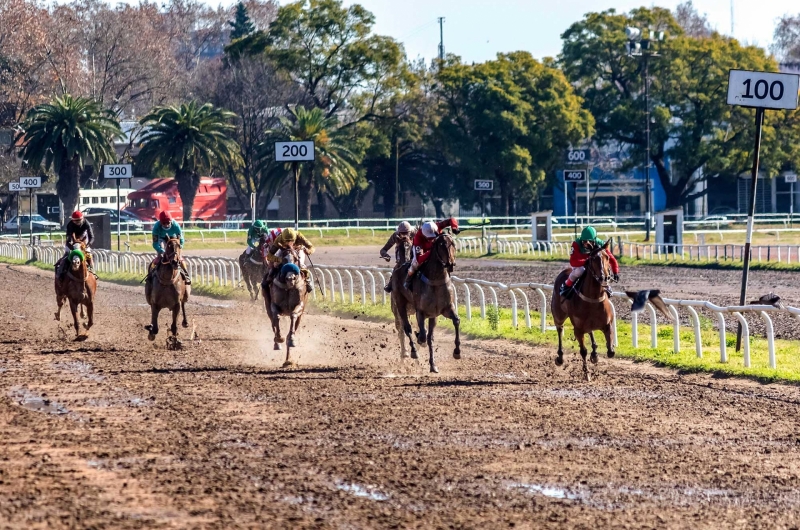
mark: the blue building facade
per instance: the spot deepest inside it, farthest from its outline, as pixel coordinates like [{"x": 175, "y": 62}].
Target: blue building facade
[{"x": 611, "y": 194}]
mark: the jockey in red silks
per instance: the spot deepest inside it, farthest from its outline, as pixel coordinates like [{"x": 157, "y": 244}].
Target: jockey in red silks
[
  {"x": 423, "y": 243},
  {"x": 581, "y": 249}
]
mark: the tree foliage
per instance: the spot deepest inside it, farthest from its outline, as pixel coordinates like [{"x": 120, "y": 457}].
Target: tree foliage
[
  {"x": 187, "y": 140},
  {"x": 65, "y": 135},
  {"x": 241, "y": 25}
]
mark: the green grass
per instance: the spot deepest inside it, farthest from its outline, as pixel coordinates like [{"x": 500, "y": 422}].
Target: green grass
[
  {"x": 787, "y": 352},
  {"x": 122, "y": 278}
]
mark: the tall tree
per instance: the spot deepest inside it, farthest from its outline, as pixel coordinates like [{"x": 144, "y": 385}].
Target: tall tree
[
  {"x": 333, "y": 169},
  {"x": 695, "y": 135},
  {"x": 64, "y": 136},
  {"x": 241, "y": 25},
  {"x": 187, "y": 140},
  {"x": 509, "y": 119}
]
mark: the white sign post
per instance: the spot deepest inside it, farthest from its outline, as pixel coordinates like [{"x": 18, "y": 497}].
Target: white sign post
[
  {"x": 791, "y": 178},
  {"x": 31, "y": 183},
  {"x": 14, "y": 187},
  {"x": 484, "y": 186},
  {"x": 576, "y": 176},
  {"x": 295, "y": 152},
  {"x": 760, "y": 90},
  {"x": 118, "y": 172}
]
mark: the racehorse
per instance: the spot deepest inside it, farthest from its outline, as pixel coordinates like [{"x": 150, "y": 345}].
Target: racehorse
[
  {"x": 589, "y": 308},
  {"x": 79, "y": 287},
  {"x": 286, "y": 297},
  {"x": 253, "y": 268},
  {"x": 428, "y": 298},
  {"x": 165, "y": 288}
]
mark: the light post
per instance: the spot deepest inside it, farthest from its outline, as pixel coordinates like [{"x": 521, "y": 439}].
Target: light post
[{"x": 641, "y": 47}]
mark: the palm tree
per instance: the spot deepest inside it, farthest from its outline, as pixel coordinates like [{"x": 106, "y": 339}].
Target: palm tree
[
  {"x": 65, "y": 135},
  {"x": 333, "y": 169},
  {"x": 187, "y": 140}
]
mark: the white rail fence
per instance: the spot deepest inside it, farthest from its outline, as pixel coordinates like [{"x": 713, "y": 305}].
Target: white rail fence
[{"x": 342, "y": 283}]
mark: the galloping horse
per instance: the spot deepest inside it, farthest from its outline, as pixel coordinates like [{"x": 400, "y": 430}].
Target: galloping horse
[
  {"x": 589, "y": 309},
  {"x": 429, "y": 297},
  {"x": 166, "y": 289},
  {"x": 79, "y": 287},
  {"x": 286, "y": 297},
  {"x": 253, "y": 268}
]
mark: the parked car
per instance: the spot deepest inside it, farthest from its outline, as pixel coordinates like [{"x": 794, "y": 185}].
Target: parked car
[
  {"x": 40, "y": 224},
  {"x": 128, "y": 221},
  {"x": 716, "y": 220}
]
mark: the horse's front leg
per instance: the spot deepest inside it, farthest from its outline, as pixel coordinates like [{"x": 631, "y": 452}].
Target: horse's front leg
[
  {"x": 153, "y": 328},
  {"x": 175, "y": 311},
  {"x": 89, "y": 313},
  {"x": 584, "y": 352},
  {"x": 290, "y": 336},
  {"x": 275, "y": 318},
  {"x": 608, "y": 332},
  {"x": 422, "y": 335},
  {"x": 73, "y": 306},
  {"x": 60, "y": 302},
  {"x": 431, "y": 326},
  {"x": 593, "y": 357},
  {"x": 452, "y": 315},
  {"x": 185, "y": 322},
  {"x": 560, "y": 353},
  {"x": 406, "y": 326}
]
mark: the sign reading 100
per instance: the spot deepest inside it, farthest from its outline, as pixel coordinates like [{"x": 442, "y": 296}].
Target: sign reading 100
[{"x": 767, "y": 90}]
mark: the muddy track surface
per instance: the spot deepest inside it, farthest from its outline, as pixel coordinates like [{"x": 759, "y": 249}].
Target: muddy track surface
[{"x": 118, "y": 432}]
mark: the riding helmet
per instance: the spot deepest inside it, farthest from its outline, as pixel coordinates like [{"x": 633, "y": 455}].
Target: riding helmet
[
  {"x": 588, "y": 234},
  {"x": 404, "y": 227},
  {"x": 289, "y": 235},
  {"x": 77, "y": 215},
  {"x": 430, "y": 230},
  {"x": 165, "y": 217},
  {"x": 259, "y": 224}
]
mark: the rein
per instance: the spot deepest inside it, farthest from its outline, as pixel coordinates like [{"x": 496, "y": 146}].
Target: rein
[{"x": 601, "y": 281}]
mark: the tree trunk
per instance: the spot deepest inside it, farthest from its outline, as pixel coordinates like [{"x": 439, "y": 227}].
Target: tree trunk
[
  {"x": 305, "y": 192},
  {"x": 68, "y": 186},
  {"x": 188, "y": 182}
]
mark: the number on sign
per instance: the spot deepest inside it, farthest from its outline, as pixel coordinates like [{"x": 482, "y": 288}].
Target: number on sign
[
  {"x": 118, "y": 170},
  {"x": 762, "y": 89},
  {"x": 294, "y": 150}
]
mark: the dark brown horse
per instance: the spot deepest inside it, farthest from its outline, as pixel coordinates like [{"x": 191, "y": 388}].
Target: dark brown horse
[
  {"x": 254, "y": 268},
  {"x": 286, "y": 297},
  {"x": 79, "y": 287},
  {"x": 429, "y": 297},
  {"x": 589, "y": 308},
  {"x": 165, "y": 288}
]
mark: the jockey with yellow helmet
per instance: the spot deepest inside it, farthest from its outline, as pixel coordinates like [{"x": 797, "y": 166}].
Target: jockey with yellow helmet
[
  {"x": 401, "y": 240},
  {"x": 289, "y": 238}
]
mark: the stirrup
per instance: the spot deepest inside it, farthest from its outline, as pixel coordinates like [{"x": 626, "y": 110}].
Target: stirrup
[{"x": 565, "y": 291}]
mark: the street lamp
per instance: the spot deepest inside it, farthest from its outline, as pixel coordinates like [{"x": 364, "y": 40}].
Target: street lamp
[{"x": 643, "y": 47}]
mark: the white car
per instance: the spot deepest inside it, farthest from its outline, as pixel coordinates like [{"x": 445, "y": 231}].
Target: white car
[{"x": 40, "y": 224}]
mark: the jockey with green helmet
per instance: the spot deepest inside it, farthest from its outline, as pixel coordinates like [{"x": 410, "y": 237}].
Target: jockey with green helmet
[
  {"x": 581, "y": 248},
  {"x": 254, "y": 234}
]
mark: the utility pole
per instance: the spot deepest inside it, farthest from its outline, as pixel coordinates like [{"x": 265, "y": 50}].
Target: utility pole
[
  {"x": 397, "y": 176},
  {"x": 647, "y": 166},
  {"x": 441, "y": 40}
]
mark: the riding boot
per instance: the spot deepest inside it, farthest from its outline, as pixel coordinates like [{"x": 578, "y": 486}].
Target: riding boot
[
  {"x": 185, "y": 273},
  {"x": 310, "y": 283},
  {"x": 388, "y": 287},
  {"x": 565, "y": 291}
]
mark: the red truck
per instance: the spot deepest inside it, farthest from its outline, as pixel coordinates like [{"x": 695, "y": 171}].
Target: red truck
[{"x": 210, "y": 203}]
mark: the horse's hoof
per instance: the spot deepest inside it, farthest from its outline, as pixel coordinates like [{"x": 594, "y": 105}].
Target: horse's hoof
[
  {"x": 86, "y": 326},
  {"x": 414, "y": 354},
  {"x": 288, "y": 364},
  {"x": 151, "y": 336},
  {"x": 457, "y": 353},
  {"x": 422, "y": 338},
  {"x": 276, "y": 346},
  {"x": 593, "y": 357},
  {"x": 611, "y": 354},
  {"x": 185, "y": 324},
  {"x": 560, "y": 360},
  {"x": 292, "y": 342},
  {"x": 58, "y": 317},
  {"x": 149, "y": 327},
  {"x": 434, "y": 370},
  {"x": 278, "y": 339}
]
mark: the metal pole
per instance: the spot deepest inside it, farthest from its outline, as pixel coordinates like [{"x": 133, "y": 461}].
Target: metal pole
[
  {"x": 648, "y": 204},
  {"x": 119, "y": 221},
  {"x": 397, "y": 177},
  {"x": 751, "y": 213},
  {"x": 588, "y": 211},
  {"x": 296, "y": 168},
  {"x": 19, "y": 222},
  {"x": 791, "y": 204},
  {"x": 575, "y": 224},
  {"x": 30, "y": 213}
]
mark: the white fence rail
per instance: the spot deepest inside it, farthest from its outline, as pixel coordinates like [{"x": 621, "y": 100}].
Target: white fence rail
[{"x": 343, "y": 283}]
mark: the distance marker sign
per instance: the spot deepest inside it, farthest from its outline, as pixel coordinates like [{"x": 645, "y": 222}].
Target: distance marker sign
[
  {"x": 14, "y": 186},
  {"x": 30, "y": 182},
  {"x": 484, "y": 185},
  {"x": 294, "y": 151},
  {"x": 574, "y": 175},
  {"x": 117, "y": 171},
  {"x": 766, "y": 90}
]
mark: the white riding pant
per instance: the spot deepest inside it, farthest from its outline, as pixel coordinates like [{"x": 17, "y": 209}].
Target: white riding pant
[
  {"x": 576, "y": 273},
  {"x": 249, "y": 250}
]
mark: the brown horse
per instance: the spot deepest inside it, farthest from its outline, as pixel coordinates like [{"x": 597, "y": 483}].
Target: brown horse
[
  {"x": 79, "y": 287},
  {"x": 589, "y": 308},
  {"x": 165, "y": 288},
  {"x": 286, "y": 297},
  {"x": 253, "y": 268},
  {"x": 429, "y": 297}
]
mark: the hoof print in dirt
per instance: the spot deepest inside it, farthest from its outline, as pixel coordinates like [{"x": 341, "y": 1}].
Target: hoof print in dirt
[{"x": 174, "y": 343}]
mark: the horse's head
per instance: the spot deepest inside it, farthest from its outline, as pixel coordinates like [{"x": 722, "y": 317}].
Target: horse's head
[
  {"x": 291, "y": 274},
  {"x": 445, "y": 251},
  {"x": 598, "y": 265},
  {"x": 172, "y": 251},
  {"x": 290, "y": 254},
  {"x": 76, "y": 259}
]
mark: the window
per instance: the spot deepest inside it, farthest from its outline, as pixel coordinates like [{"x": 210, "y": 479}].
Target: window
[
  {"x": 173, "y": 199},
  {"x": 154, "y": 204},
  {"x": 104, "y": 200},
  {"x": 84, "y": 200},
  {"x": 95, "y": 200}
]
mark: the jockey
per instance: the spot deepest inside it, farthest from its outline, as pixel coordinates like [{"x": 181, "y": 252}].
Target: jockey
[
  {"x": 580, "y": 253},
  {"x": 423, "y": 243},
  {"x": 286, "y": 239},
  {"x": 167, "y": 228},
  {"x": 79, "y": 230},
  {"x": 401, "y": 240},
  {"x": 254, "y": 233}
]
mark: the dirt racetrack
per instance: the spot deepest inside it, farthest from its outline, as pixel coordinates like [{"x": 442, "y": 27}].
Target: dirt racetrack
[{"x": 118, "y": 432}]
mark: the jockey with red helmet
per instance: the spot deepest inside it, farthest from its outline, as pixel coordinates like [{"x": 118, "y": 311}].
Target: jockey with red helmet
[
  {"x": 423, "y": 243},
  {"x": 79, "y": 230},
  {"x": 168, "y": 228}
]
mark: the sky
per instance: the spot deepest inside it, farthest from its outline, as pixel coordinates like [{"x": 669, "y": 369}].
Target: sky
[{"x": 477, "y": 30}]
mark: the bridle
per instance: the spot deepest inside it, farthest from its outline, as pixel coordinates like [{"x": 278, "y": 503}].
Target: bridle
[
  {"x": 443, "y": 241},
  {"x": 603, "y": 278}
]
